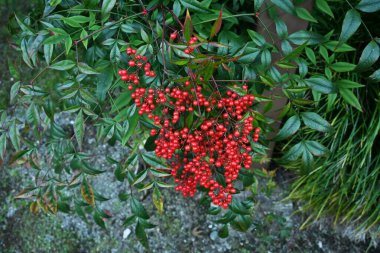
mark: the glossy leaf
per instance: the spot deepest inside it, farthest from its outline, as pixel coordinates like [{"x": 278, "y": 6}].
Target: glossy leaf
[
  {"x": 350, "y": 98},
  {"x": 107, "y": 6},
  {"x": 320, "y": 84},
  {"x": 138, "y": 209},
  {"x": 316, "y": 148},
  {"x": 195, "y": 5},
  {"x": 285, "y": 5},
  {"x": 85, "y": 69},
  {"x": 368, "y": 5},
  {"x": 141, "y": 235},
  {"x": 79, "y": 128},
  {"x": 343, "y": 67},
  {"x": 369, "y": 56},
  {"x": 188, "y": 26},
  {"x": 316, "y": 122},
  {"x": 104, "y": 82},
  {"x": 290, "y": 127},
  {"x": 351, "y": 23},
  {"x": 305, "y": 15},
  {"x": 324, "y": 7},
  {"x": 63, "y": 65}
]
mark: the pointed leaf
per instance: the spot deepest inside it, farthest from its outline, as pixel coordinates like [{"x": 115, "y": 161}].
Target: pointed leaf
[
  {"x": 79, "y": 128},
  {"x": 63, "y": 65},
  {"x": 138, "y": 209},
  {"x": 188, "y": 27},
  {"x": 369, "y": 56},
  {"x": 351, "y": 23},
  {"x": 316, "y": 122},
  {"x": 369, "y": 5},
  {"x": 350, "y": 98},
  {"x": 87, "y": 193},
  {"x": 217, "y": 25},
  {"x": 290, "y": 127}
]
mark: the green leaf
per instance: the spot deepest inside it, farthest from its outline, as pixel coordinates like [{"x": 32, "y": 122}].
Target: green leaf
[
  {"x": 310, "y": 55},
  {"x": 14, "y": 91},
  {"x": 223, "y": 232},
  {"x": 324, "y": 7},
  {"x": 305, "y": 14},
  {"x": 107, "y": 6},
  {"x": 294, "y": 152},
  {"x": 290, "y": 127},
  {"x": 138, "y": 209},
  {"x": 3, "y": 145},
  {"x": 76, "y": 21},
  {"x": 23, "y": 27},
  {"x": 144, "y": 36},
  {"x": 368, "y": 5},
  {"x": 54, "y": 2},
  {"x": 320, "y": 84},
  {"x": 83, "y": 35},
  {"x": 14, "y": 135},
  {"x": 55, "y": 39},
  {"x": 48, "y": 52},
  {"x": 257, "y": 38},
  {"x": 347, "y": 84},
  {"x": 177, "y": 8},
  {"x": 338, "y": 47},
  {"x": 88, "y": 169},
  {"x": 99, "y": 220},
  {"x": 85, "y": 69},
  {"x": 188, "y": 26},
  {"x": 307, "y": 158},
  {"x": 350, "y": 98},
  {"x": 285, "y": 5},
  {"x": 12, "y": 70},
  {"x": 68, "y": 44},
  {"x": 141, "y": 235},
  {"x": 342, "y": 67},
  {"x": 79, "y": 128},
  {"x": 351, "y": 23},
  {"x": 153, "y": 160},
  {"x": 369, "y": 56},
  {"x": 281, "y": 28},
  {"x": 249, "y": 55},
  {"x": 375, "y": 76},
  {"x": 105, "y": 80},
  {"x": 316, "y": 148},
  {"x": 130, "y": 220},
  {"x": 195, "y": 6},
  {"x": 258, "y": 4},
  {"x": 302, "y": 37},
  {"x": 133, "y": 119},
  {"x": 266, "y": 58},
  {"x": 63, "y": 65},
  {"x": 63, "y": 207},
  {"x": 164, "y": 185},
  {"x": 140, "y": 177},
  {"x": 316, "y": 122}
]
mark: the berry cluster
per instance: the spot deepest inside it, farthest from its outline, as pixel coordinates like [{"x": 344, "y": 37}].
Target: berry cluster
[{"x": 210, "y": 149}]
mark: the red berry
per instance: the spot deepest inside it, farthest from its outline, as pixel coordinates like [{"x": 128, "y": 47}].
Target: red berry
[
  {"x": 132, "y": 63},
  {"x": 173, "y": 36}
]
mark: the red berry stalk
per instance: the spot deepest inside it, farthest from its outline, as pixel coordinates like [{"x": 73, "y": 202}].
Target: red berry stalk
[{"x": 216, "y": 143}]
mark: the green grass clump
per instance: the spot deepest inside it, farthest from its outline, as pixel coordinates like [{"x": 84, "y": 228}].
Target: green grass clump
[{"x": 346, "y": 184}]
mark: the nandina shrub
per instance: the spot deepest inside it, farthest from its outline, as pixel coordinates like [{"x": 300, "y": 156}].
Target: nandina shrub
[{"x": 176, "y": 83}]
